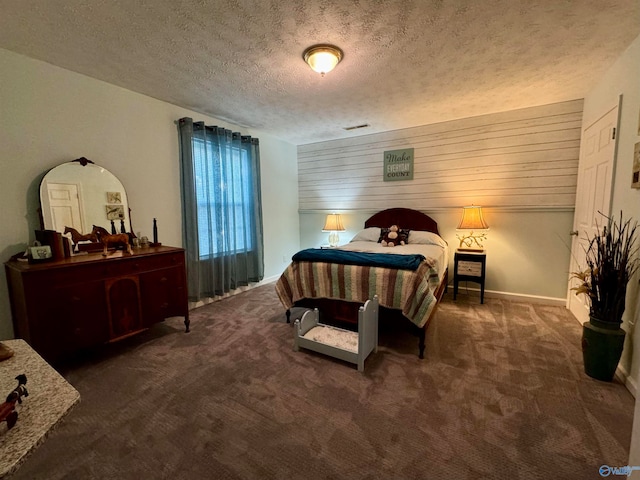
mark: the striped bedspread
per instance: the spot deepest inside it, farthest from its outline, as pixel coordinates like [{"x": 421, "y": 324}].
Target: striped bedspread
[{"x": 406, "y": 290}]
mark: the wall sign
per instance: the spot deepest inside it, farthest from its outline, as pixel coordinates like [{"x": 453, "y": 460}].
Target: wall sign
[{"x": 398, "y": 165}]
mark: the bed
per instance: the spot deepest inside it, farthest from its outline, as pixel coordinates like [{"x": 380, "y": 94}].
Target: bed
[{"x": 319, "y": 278}]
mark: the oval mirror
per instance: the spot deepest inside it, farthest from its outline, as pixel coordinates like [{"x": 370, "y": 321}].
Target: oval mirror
[{"x": 81, "y": 194}]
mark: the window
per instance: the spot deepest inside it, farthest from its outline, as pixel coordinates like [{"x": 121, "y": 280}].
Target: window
[
  {"x": 214, "y": 192},
  {"x": 221, "y": 209}
]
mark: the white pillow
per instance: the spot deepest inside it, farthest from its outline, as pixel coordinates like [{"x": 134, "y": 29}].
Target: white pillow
[
  {"x": 426, "y": 238},
  {"x": 371, "y": 234}
]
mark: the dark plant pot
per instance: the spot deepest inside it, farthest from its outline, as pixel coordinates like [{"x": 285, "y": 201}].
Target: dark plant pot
[{"x": 602, "y": 344}]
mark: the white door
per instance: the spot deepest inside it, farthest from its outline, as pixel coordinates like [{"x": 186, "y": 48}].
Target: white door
[
  {"x": 593, "y": 197},
  {"x": 64, "y": 204}
]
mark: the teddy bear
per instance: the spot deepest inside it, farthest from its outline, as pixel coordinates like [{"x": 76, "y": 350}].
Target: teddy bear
[{"x": 392, "y": 236}]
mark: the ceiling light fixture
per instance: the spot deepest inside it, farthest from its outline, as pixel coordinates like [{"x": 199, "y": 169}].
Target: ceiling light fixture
[{"x": 322, "y": 58}]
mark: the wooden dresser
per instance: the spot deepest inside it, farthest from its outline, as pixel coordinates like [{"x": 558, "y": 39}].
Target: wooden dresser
[{"x": 63, "y": 306}]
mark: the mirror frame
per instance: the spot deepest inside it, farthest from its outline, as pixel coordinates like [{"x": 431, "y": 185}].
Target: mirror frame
[{"x": 112, "y": 198}]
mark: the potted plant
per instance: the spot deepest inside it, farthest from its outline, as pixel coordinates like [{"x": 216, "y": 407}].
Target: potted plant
[{"x": 611, "y": 261}]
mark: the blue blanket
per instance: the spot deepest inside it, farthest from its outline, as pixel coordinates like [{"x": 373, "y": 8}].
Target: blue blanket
[{"x": 346, "y": 257}]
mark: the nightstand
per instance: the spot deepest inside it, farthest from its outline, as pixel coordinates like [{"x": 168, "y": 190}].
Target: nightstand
[{"x": 470, "y": 267}]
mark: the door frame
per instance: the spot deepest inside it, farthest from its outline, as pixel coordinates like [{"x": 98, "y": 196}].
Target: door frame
[{"x": 575, "y": 244}]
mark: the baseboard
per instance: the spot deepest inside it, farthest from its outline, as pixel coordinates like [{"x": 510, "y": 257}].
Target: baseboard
[
  {"x": 518, "y": 297},
  {"x": 264, "y": 281},
  {"x": 514, "y": 297},
  {"x": 628, "y": 380},
  {"x": 207, "y": 301}
]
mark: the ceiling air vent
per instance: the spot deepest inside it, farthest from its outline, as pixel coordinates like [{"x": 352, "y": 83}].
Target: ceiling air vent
[{"x": 355, "y": 127}]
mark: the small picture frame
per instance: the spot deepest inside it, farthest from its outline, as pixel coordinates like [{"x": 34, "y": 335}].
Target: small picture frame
[
  {"x": 115, "y": 212},
  {"x": 40, "y": 253},
  {"x": 114, "y": 197},
  {"x": 635, "y": 177}
]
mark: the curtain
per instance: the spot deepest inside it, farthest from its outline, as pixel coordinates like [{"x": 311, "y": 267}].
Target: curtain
[{"x": 221, "y": 209}]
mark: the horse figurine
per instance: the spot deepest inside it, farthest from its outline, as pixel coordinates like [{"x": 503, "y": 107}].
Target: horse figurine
[
  {"x": 8, "y": 408},
  {"x": 107, "y": 240},
  {"x": 99, "y": 231},
  {"x": 78, "y": 237}
]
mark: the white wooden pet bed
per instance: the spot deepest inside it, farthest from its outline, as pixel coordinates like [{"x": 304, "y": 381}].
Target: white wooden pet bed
[{"x": 353, "y": 347}]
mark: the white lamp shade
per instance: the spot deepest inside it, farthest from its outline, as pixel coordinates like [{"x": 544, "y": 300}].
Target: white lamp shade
[
  {"x": 476, "y": 229},
  {"x": 333, "y": 223},
  {"x": 472, "y": 219}
]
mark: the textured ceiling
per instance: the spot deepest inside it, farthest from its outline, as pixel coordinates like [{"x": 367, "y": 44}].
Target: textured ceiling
[{"x": 406, "y": 63}]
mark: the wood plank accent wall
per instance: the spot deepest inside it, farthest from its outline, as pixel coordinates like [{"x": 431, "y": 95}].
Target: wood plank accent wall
[{"x": 525, "y": 158}]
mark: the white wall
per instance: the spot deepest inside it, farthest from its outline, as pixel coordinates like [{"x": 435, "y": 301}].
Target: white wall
[
  {"x": 50, "y": 115},
  {"x": 623, "y": 79},
  {"x": 521, "y": 166},
  {"x": 519, "y": 158},
  {"x": 527, "y": 253}
]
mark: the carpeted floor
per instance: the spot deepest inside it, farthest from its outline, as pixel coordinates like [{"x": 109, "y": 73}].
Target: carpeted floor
[{"x": 501, "y": 394}]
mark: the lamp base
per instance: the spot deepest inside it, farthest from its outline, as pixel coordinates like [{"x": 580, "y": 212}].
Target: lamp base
[
  {"x": 471, "y": 250},
  {"x": 334, "y": 238},
  {"x": 471, "y": 241}
]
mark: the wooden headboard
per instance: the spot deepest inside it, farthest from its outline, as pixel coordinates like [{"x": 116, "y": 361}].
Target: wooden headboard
[{"x": 404, "y": 218}]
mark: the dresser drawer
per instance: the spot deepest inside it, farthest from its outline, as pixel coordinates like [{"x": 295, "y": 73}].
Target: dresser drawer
[
  {"x": 135, "y": 264},
  {"x": 471, "y": 269}
]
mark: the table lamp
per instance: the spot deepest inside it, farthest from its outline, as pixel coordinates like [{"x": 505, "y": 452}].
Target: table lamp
[
  {"x": 473, "y": 229},
  {"x": 333, "y": 224}
]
